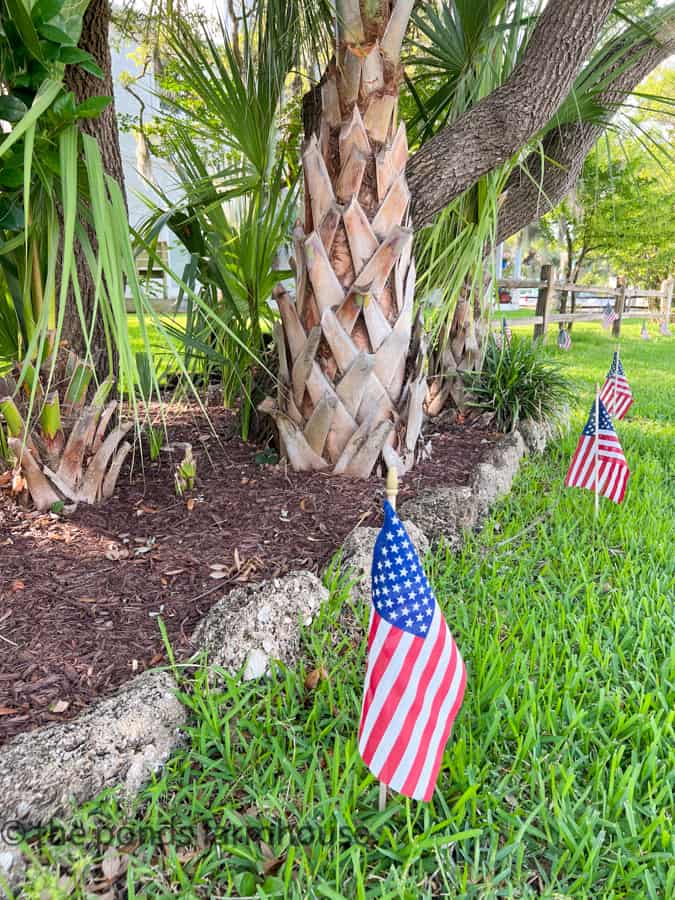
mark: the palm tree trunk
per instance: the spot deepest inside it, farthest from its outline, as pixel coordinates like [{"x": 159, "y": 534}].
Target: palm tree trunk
[
  {"x": 459, "y": 348},
  {"x": 352, "y": 379}
]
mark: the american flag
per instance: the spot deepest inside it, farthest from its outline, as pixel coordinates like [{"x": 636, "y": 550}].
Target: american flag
[
  {"x": 663, "y": 327},
  {"x": 415, "y": 675},
  {"x": 564, "y": 339},
  {"x": 644, "y": 334},
  {"x": 506, "y": 330},
  {"x": 613, "y": 469},
  {"x": 608, "y": 315},
  {"x": 616, "y": 393}
]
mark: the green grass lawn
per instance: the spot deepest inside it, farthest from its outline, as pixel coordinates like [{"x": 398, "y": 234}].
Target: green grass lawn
[{"x": 558, "y": 778}]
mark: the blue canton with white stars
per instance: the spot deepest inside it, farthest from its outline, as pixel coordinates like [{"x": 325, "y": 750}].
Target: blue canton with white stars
[
  {"x": 401, "y": 593},
  {"x": 605, "y": 421},
  {"x": 615, "y": 369}
]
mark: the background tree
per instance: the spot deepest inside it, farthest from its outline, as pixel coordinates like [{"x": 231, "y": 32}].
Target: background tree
[
  {"x": 502, "y": 150},
  {"x": 619, "y": 214},
  {"x": 85, "y": 85}
]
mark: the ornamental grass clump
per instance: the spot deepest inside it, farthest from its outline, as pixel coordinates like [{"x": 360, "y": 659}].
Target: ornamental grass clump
[
  {"x": 518, "y": 381},
  {"x": 66, "y": 452}
]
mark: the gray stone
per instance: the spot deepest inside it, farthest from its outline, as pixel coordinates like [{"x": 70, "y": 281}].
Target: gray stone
[
  {"x": 493, "y": 478},
  {"x": 258, "y": 622},
  {"x": 120, "y": 740},
  {"x": 12, "y": 869},
  {"x": 535, "y": 434},
  {"x": 443, "y": 512},
  {"x": 357, "y": 556},
  {"x": 448, "y": 512},
  {"x": 257, "y": 664}
]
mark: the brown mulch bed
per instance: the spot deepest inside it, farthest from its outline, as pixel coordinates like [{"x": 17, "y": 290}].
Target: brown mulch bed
[{"x": 80, "y": 595}]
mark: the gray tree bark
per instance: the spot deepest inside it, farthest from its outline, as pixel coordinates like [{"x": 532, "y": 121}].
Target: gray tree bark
[
  {"x": 541, "y": 184},
  {"x": 497, "y": 127},
  {"x": 95, "y": 40}
]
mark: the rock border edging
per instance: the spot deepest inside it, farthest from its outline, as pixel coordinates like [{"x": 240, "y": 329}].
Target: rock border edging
[{"x": 86, "y": 754}]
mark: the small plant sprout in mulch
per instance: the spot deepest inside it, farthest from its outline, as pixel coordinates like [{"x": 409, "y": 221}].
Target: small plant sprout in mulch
[{"x": 186, "y": 472}]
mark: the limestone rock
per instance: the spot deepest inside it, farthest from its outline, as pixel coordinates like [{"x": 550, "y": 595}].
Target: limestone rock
[
  {"x": 12, "y": 868},
  {"x": 447, "y": 512},
  {"x": 259, "y": 622},
  {"x": 535, "y": 434},
  {"x": 538, "y": 434},
  {"x": 120, "y": 740},
  {"x": 357, "y": 555},
  {"x": 443, "y": 512},
  {"x": 493, "y": 478}
]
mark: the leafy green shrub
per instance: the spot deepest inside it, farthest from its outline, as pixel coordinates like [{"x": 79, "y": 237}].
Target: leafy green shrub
[{"x": 518, "y": 381}]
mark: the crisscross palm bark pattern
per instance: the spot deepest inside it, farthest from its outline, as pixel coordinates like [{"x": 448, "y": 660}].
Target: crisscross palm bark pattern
[
  {"x": 459, "y": 348},
  {"x": 352, "y": 370}
]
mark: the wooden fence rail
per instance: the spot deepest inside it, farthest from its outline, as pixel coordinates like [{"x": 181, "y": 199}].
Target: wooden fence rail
[{"x": 624, "y": 298}]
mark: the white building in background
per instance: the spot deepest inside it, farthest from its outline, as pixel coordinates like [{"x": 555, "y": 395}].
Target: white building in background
[{"x": 139, "y": 167}]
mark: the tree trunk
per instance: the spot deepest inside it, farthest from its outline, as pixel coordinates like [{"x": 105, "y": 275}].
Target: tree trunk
[
  {"x": 94, "y": 40},
  {"x": 548, "y": 174},
  {"x": 500, "y": 124},
  {"x": 459, "y": 348},
  {"x": 352, "y": 379}
]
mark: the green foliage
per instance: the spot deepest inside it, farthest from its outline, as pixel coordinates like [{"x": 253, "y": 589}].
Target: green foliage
[
  {"x": 620, "y": 213},
  {"x": 557, "y": 778},
  {"x": 238, "y": 196},
  {"x": 53, "y": 187},
  {"x": 449, "y": 76},
  {"x": 518, "y": 381},
  {"x": 35, "y": 44},
  {"x": 628, "y": 204}
]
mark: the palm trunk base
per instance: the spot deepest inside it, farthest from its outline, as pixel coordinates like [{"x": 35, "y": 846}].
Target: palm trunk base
[{"x": 352, "y": 377}]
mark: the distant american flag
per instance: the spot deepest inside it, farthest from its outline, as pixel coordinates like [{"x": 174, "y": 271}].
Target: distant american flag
[
  {"x": 663, "y": 327},
  {"x": 616, "y": 393},
  {"x": 608, "y": 315},
  {"x": 564, "y": 339},
  {"x": 415, "y": 675},
  {"x": 644, "y": 334},
  {"x": 613, "y": 469},
  {"x": 506, "y": 331}
]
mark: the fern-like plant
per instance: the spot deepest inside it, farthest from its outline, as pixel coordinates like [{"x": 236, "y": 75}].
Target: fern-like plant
[{"x": 517, "y": 382}]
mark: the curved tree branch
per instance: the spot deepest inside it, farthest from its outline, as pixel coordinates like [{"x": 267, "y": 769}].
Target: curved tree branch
[
  {"x": 531, "y": 192},
  {"x": 497, "y": 127}
]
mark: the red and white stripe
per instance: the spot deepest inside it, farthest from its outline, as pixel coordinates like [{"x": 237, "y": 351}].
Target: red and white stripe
[
  {"x": 617, "y": 396},
  {"x": 613, "y": 469},
  {"x": 413, "y": 691}
]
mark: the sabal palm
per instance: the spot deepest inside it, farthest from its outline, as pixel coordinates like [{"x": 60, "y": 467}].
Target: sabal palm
[{"x": 352, "y": 361}]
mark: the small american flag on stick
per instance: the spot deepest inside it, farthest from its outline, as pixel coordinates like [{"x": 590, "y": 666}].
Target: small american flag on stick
[
  {"x": 564, "y": 339},
  {"x": 608, "y": 315},
  {"x": 598, "y": 462},
  {"x": 506, "y": 330},
  {"x": 616, "y": 393},
  {"x": 644, "y": 334},
  {"x": 663, "y": 327},
  {"x": 415, "y": 675}
]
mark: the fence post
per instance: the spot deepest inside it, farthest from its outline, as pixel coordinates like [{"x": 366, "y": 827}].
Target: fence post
[
  {"x": 667, "y": 299},
  {"x": 544, "y": 300},
  {"x": 619, "y": 305}
]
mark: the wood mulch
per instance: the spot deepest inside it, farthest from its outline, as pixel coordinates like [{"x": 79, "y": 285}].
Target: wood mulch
[{"x": 80, "y": 595}]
